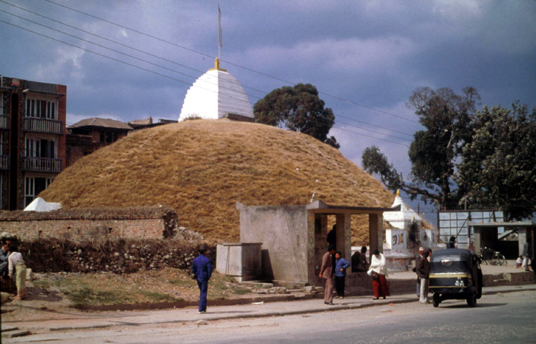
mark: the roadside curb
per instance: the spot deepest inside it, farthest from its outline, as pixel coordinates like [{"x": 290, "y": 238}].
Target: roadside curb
[
  {"x": 320, "y": 308},
  {"x": 280, "y": 313},
  {"x": 67, "y": 328}
]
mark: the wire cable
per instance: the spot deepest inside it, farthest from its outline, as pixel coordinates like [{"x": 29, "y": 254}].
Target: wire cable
[
  {"x": 167, "y": 60},
  {"x": 122, "y": 53},
  {"x": 231, "y": 63},
  {"x": 166, "y": 76},
  {"x": 109, "y": 40},
  {"x": 114, "y": 59}
]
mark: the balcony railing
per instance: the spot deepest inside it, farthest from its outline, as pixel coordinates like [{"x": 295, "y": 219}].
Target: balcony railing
[
  {"x": 42, "y": 125},
  {"x": 4, "y": 162},
  {"x": 41, "y": 165},
  {"x": 4, "y": 122}
]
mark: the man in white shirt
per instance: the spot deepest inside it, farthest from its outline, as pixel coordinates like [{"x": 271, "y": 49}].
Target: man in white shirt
[{"x": 16, "y": 262}]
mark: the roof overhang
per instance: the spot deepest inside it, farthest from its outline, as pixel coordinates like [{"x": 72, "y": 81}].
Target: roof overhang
[
  {"x": 320, "y": 207},
  {"x": 528, "y": 223},
  {"x": 43, "y": 92}
]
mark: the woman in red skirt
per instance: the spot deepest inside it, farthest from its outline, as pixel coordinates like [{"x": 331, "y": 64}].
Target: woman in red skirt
[{"x": 378, "y": 271}]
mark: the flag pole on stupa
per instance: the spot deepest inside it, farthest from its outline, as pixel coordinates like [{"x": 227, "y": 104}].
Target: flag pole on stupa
[{"x": 220, "y": 42}]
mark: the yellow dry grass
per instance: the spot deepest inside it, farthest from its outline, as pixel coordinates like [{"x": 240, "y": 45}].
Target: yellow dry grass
[{"x": 202, "y": 168}]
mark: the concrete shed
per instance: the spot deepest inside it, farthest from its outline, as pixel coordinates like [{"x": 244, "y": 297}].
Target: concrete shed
[{"x": 294, "y": 237}]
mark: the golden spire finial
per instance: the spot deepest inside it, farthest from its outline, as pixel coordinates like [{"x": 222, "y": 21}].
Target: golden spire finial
[
  {"x": 398, "y": 192},
  {"x": 217, "y": 65}
]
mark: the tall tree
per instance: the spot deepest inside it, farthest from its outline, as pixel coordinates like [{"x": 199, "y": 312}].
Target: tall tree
[
  {"x": 299, "y": 109},
  {"x": 446, "y": 117},
  {"x": 499, "y": 165}
]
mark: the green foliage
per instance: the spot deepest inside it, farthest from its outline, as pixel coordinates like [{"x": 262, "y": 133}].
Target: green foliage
[
  {"x": 499, "y": 165},
  {"x": 241, "y": 291},
  {"x": 483, "y": 159},
  {"x": 299, "y": 109},
  {"x": 446, "y": 117},
  {"x": 375, "y": 162}
]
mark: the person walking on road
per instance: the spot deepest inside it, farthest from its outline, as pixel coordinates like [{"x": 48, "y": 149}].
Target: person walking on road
[
  {"x": 341, "y": 265},
  {"x": 423, "y": 271},
  {"x": 326, "y": 272},
  {"x": 378, "y": 271},
  {"x": 202, "y": 270},
  {"x": 526, "y": 256},
  {"x": 417, "y": 259}
]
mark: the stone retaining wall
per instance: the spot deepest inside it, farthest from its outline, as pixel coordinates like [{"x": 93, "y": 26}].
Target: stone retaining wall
[{"x": 92, "y": 224}]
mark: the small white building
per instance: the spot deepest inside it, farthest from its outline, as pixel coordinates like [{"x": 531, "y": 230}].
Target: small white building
[
  {"x": 407, "y": 234},
  {"x": 214, "y": 95}
]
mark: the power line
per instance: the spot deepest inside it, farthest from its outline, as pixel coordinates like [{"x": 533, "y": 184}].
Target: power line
[
  {"x": 166, "y": 76},
  {"x": 163, "y": 67},
  {"x": 377, "y": 138},
  {"x": 159, "y": 57},
  {"x": 114, "y": 59},
  {"x": 119, "y": 52},
  {"x": 204, "y": 54},
  {"x": 117, "y": 60},
  {"x": 107, "y": 39},
  {"x": 373, "y": 131},
  {"x": 374, "y": 125}
]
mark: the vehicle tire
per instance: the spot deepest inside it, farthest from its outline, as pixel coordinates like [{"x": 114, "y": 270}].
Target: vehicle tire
[
  {"x": 435, "y": 300},
  {"x": 471, "y": 299}
]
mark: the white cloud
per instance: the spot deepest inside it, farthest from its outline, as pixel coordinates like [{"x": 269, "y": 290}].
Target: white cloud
[
  {"x": 67, "y": 63},
  {"x": 342, "y": 55},
  {"x": 456, "y": 9}
]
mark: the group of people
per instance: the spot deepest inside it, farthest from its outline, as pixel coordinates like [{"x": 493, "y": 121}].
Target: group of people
[
  {"x": 12, "y": 264},
  {"x": 333, "y": 272}
]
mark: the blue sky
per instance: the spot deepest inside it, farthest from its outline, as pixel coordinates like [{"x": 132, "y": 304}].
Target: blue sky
[{"x": 366, "y": 57}]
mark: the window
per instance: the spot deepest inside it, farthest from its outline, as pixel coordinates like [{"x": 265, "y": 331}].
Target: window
[
  {"x": 29, "y": 191},
  {"x": 41, "y": 108},
  {"x": 38, "y": 148},
  {"x": 33, "y": 187}
]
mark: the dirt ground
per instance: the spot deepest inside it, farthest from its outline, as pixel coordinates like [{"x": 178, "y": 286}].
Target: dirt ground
[{"x": 57, "y": 293}]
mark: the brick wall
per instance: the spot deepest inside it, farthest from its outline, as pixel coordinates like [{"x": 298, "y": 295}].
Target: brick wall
[
  {"x": 79, "y": 225},
  {"x": 62, "y": 116}
]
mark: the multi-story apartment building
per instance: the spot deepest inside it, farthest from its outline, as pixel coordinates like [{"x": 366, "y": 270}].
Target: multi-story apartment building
[{"x": 32, "y": 139}]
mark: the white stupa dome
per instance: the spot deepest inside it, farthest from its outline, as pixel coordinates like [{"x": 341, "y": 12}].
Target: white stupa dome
[{"x": 214, "y": 95}]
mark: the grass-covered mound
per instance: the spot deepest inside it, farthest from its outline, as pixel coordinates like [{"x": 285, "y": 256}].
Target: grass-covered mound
[{"x": 203, "y": 167}]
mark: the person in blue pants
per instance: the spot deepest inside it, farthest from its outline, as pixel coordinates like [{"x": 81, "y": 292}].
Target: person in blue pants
[{"x": 202, "y": 269}]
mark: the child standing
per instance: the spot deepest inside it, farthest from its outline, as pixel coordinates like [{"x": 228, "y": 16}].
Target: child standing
[
  {"x": 16, "y": 262},
  {"x": 519, "y": 261},
  {"x": 340, "y": 274}
]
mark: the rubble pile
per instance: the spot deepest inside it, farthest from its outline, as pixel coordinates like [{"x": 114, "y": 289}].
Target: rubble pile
[{"x": 117, "y": 256}]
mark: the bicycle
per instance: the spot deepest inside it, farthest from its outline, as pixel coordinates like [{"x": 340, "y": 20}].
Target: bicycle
[{"x": 493, "y": 257}]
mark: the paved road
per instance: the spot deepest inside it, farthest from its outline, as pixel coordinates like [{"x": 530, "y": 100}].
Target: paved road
[{"x": 500, "y": 318}]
